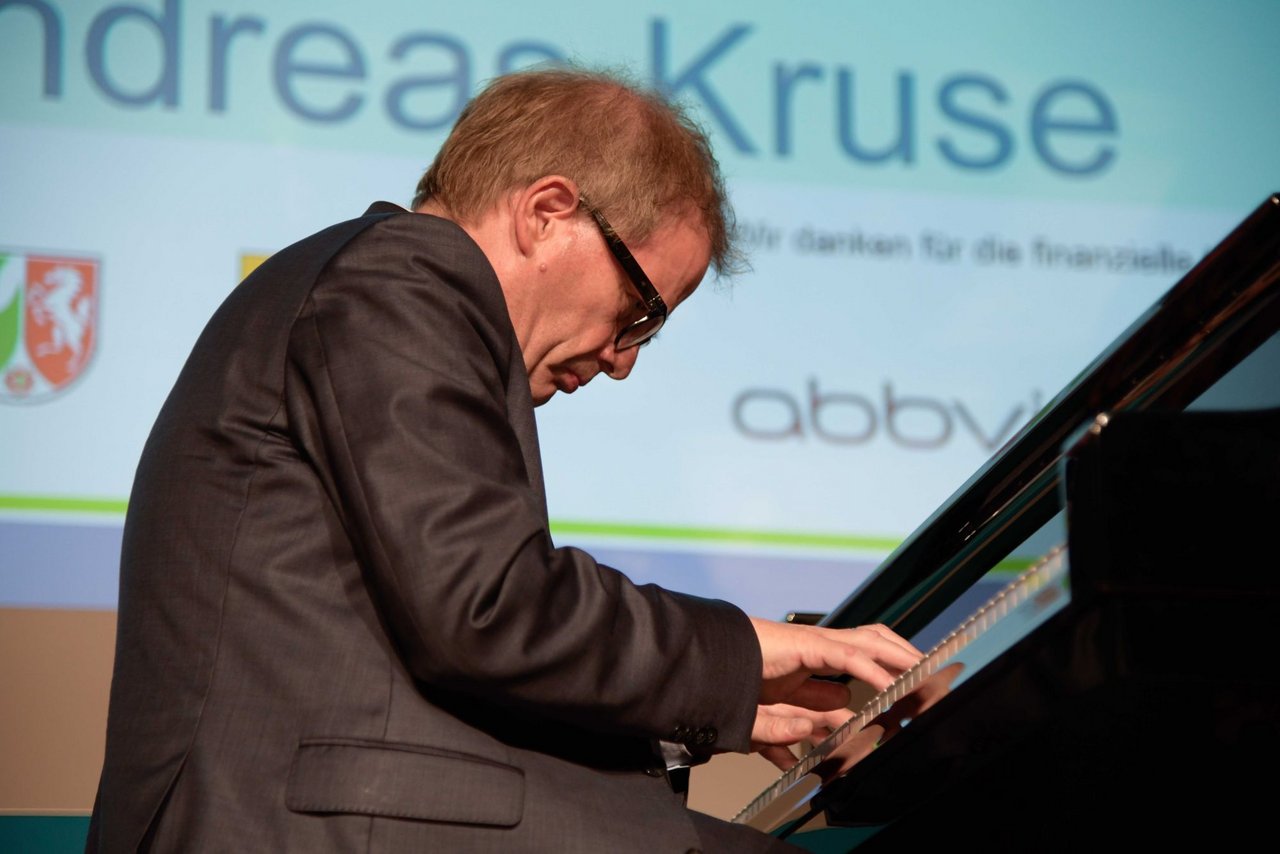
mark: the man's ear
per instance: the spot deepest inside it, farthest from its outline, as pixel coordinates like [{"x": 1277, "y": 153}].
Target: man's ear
[{"x": 542, "y": 209}]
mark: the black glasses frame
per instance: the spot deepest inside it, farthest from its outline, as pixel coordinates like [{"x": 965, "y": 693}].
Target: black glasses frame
[{"x": 639, "y": 331}]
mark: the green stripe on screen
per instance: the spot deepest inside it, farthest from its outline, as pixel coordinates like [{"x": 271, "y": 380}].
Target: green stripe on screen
[
  {"x": 563, "y": 527},
  {"x": 724, "y": 535},
  {"x": 56, "y": 504},
  {"x": 52, "y": 504}
]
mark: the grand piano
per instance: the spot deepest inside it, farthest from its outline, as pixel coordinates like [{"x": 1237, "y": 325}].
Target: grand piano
[{"x": 1123, "y": 689}]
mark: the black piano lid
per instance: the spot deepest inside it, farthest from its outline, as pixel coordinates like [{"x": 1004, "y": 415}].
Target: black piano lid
[{"x": 1209, "y": 321}]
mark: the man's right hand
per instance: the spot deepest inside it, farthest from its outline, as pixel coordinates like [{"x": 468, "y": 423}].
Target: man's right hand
[{"x": 793, "y": 705}]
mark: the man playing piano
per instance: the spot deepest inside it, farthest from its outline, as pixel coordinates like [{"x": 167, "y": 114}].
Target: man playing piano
[{"x": 343, "y": 625}]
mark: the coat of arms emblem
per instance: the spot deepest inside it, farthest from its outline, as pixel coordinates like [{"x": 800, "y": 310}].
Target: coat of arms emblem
[{"x": 48, "y": 323}]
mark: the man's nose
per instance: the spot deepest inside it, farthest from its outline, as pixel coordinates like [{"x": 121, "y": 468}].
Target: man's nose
[{"x": 617, "y": 364}]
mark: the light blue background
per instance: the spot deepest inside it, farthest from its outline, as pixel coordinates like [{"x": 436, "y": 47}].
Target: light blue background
[{"x": 170, "y": 196}]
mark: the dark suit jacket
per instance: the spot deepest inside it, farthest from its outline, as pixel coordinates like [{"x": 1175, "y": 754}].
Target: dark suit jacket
[{"x": 343, "y": 624}]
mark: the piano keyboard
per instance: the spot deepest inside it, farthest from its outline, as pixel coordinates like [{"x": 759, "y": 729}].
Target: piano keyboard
[{"x": 1011, "y": 614}]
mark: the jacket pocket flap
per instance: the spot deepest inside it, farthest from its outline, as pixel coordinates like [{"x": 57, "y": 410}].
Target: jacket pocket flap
[{"x": 403, "y": 781}]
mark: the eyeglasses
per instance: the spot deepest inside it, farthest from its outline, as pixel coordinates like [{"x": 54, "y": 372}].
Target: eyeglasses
[{"x": 639, "y": 331}]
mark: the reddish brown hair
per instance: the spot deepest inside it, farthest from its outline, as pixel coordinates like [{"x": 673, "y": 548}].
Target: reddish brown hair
[{"x": 639, "y": 157}]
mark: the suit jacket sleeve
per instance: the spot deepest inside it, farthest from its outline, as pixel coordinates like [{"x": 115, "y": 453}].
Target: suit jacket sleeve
[{"x": 398, "y": 393}]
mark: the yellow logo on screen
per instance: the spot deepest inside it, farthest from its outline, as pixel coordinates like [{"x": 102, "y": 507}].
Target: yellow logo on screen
[{"x": 249, "y": 262}]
